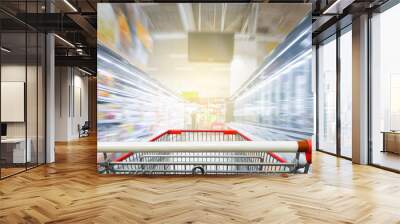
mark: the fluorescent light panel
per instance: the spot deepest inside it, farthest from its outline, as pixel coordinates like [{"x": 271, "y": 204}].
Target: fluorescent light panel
[
  {"x": 64, "y": 40},
  {"x": 5, "y": 50},
  {"x": 70, "y": 5}
]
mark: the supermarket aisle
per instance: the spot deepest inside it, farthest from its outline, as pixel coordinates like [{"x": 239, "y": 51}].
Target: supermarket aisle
[
  {"x": 208, "y": 77},
  {"x": 70, "y": 191}
]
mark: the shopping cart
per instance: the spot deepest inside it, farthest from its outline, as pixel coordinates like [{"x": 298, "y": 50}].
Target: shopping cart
[{"x": 205, "y": 152}]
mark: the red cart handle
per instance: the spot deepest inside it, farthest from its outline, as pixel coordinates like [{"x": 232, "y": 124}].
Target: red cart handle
[{"x": 306, "y": 147}]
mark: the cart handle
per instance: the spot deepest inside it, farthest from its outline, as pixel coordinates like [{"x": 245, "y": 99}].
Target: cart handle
[
  {"x": 179, "y": 131},
  {"x": 306, "y": 147},
  {"x": 248, "y": 146}
]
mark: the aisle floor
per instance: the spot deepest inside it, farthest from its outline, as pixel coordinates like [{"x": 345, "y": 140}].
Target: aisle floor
[{"x": 70, "y": 191}]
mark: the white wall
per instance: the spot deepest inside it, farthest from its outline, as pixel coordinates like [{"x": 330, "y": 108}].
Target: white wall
[
  {"x": 80, "y": 109},
  {"x": 71, "y": 103},
  {"x": 33, "y": 127},
  {"x": 62, "y": 113},
  {"x": 15, "y": 73}
]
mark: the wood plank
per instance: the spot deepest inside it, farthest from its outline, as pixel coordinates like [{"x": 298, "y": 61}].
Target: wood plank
[{"x": 70, "y": 191}]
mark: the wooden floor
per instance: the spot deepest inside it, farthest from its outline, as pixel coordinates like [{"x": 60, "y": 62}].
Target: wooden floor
[
  {"x": 10, "y": 171},
  {"x": 387, "y": 159},
  {"x": 70, "y": 191}
]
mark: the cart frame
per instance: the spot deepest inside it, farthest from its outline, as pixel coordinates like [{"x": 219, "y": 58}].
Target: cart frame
[{"x": 205, "y": 152}]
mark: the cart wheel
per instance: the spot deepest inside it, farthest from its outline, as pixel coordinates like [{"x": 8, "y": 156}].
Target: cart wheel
[{"x": 198, "y": 170}]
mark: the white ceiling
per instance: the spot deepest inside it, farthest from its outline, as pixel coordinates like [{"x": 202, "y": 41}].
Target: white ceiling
[
  {"x": 259, "y": 19},
  {"x": 255, "y": 27}
]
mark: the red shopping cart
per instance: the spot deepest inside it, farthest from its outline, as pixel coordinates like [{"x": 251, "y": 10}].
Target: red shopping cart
[{"x": 206, "y": 152}]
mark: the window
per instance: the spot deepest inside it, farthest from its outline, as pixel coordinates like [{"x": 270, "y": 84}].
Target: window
[
  {"x": 346, "y": 93},
  {"x": 22, "y": 75},
  {"x": 327, "y": 96},
  {"x": 385, "y": 89}
]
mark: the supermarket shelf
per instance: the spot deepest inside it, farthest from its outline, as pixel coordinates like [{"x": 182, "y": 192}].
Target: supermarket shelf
[
  {"x": 114, "y": 60},
  {"x": 294, "y": 46},
  {"x": 131, "y": 105},
  {"x": 271, "y": 133},
  {"x": 277, "y": 101}
]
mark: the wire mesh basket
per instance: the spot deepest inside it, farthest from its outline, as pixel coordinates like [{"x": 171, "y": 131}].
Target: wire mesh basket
[{"x": 210, "y": 152}]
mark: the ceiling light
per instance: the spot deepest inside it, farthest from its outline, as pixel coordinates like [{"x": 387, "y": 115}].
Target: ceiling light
[
  {"x": 84, "y": 71},
  {"x": 65, "y": 41},
  {"x": 70, "y": 5},
  {"x": 5, "y": 50}
]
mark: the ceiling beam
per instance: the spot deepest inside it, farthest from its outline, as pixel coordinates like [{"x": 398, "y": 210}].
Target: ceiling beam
[
  {"x": 248, "y": 12},
  {"x": 255, "y": 19},
  {"x": 91, "y": 5},
  {"x": 223, "y": 15},
  {"x": 199, "y": 23},
  {"x": 235, "y": 22},
  {"x": 320, "y": 23},
  {"x": 84, "y": 24},
  {"x": 81, "y": 61},
  {"x": 49, "y": 22},
  {"x": 187, "y": 18}
]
